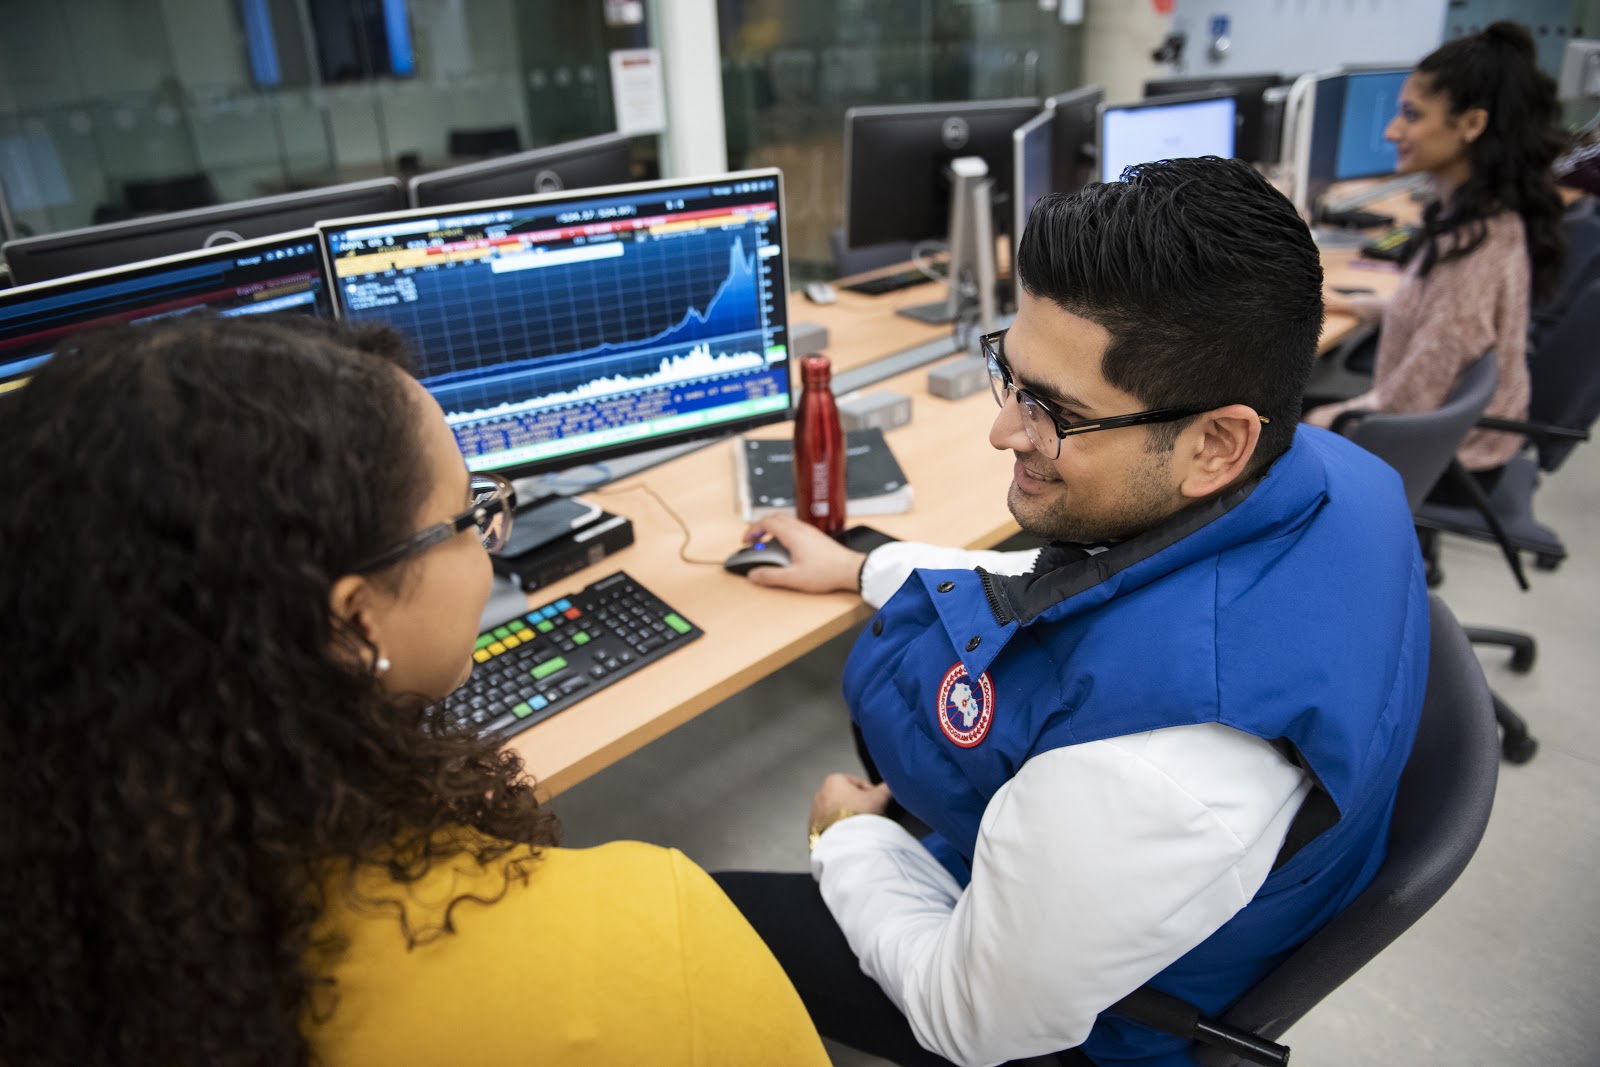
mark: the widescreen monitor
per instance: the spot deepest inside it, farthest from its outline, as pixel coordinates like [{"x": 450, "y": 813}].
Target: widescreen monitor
[
  {"x": 1258, "y": 139},
  {"x": 565, "y": 329},
  {"x": 594, "y": 161},
  {"x": 57, "y": 255},
  {"x": 1077, "y": 125},
  {"x": 897, "y": 161},
  {"x": 1349, "y": 113},
  {"x": 283, "y": 273},
  {"x": 1032, "y": 167},
  {"x": 1202, "y": 124}
]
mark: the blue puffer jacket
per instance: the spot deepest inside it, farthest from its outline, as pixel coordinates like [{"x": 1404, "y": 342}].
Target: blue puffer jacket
[{"x": 1293, "y": 609}]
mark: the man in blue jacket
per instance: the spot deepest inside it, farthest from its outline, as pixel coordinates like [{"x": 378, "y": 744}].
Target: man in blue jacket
[{"x": 1163, "y": 749}]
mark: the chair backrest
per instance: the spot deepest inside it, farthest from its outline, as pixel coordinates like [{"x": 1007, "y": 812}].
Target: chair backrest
[
  {"x": 1420, "y": 445},
  {"x": 1580, "y": 265},
  {"x": 1440, "y": 812},
  {"x": 848, "y": 261},
  {"x": 1564, "y": 374}
]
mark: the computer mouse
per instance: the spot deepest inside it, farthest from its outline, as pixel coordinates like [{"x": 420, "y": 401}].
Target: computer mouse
[
  {"x": 768, "y": 553},
  {"x": 820, "y": 293}
]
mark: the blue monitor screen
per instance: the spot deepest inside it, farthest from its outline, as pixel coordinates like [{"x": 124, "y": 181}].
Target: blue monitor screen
[
  {"x": 1143, "y": 133},
  {"x": 275, "y": 274},
  {"x": 1370, "y": 103},
  {"x": 555, "y": 330}
]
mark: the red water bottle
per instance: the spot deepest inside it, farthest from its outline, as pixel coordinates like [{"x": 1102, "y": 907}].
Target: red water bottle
[{"x": 818, "y": 449}]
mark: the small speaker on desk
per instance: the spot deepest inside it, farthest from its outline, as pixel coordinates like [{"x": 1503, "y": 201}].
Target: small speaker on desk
[
  {"x": 806, "y": 338},
  {"x": 882, "y": 410},
  {"x": 959, "y": 377}
]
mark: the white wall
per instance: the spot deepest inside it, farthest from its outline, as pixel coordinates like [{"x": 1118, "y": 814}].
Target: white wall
[
  {"x": 1295, "y": 36},
  {"x": 1118, "y": 37}
]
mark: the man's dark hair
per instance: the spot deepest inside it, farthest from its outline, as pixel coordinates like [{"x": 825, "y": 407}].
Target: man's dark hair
[{"x": 1206, "y": 279}]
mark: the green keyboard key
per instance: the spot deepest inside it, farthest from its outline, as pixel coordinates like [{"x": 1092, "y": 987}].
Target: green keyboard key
[
  {"x": 484, "y": 642},
  {"x": 580, "y": 638},
  {"x": 522, "y": 711},
  {"x": 545, "y": 627},
  {"x": 675, "y": 621},
  {"x": 502, "y": 632},
  {"x": 517, "y": 625},
  {"x": 547, "y": 668}
]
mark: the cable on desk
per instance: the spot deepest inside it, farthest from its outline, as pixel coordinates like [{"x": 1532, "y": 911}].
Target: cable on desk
[{"x": 688, "y": 535}]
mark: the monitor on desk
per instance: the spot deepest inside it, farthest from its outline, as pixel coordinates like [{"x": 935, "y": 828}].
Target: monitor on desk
[
  {"x": 594, "y": 161},
  {"x": 57, "y": 255},
  {"x": 1175, "y": 127},
  {"x": 283, "y": 273},
  {"x": 1072, "y": 142},
  {"x": 1259, "y": 139},
  {"x": 1349, "y": 114},
  {"x": 566, "y": 329},
  {"x": 897, "y": 161},
  {"x": 1032, "y": 167}
]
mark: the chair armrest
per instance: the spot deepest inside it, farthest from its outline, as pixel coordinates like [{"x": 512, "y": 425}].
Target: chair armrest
[
  {"x": 1347, "y": 418},
  {"x": 1532, "y": 429},
  {"x": 1172, "y": 1015}
]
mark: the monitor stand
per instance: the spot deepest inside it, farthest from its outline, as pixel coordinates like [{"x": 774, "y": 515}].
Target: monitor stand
[{"x": 971, "y": 247}]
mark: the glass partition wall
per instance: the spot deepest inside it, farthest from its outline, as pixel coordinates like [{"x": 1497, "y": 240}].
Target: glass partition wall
[
  {"x": 791, "y": 70},
  {"x": 113, "y": 108}
]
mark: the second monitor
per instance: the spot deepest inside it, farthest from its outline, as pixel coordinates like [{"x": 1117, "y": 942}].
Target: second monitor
[
  {"x": 1169, "y": 127},
  {"x": 561, "y": 330}
]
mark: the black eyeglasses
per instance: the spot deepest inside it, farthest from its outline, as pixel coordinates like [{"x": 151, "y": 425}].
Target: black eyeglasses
[
  {"x": 1046, "y": 427},
  {"x": 493, "y": 502}
]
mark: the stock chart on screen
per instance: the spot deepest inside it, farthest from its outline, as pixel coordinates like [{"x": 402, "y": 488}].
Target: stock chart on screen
[{"x": 553, "y": 329}]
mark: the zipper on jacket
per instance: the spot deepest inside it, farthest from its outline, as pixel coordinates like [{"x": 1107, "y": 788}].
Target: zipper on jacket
[{"x": 998, "y": 604}]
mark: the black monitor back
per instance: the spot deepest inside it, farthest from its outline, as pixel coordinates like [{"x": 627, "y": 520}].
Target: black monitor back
[
  {"x": 897, "y": 186},
  {"x": 1258, "y": 138},
  {"x": 57, "y": 255},
  {"x": 589, "y": 163},
  {"x": 1077, "y": 124}
]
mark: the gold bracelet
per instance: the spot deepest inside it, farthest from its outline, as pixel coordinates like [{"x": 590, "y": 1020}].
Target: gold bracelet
[{"x": 821, "y": 825}]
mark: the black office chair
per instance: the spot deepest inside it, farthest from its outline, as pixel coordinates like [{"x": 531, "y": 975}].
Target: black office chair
[
  {"x": 494, "y": 141},
  {"x": 1440, "y": 813},
  {"x": 1421, "y": 447}
]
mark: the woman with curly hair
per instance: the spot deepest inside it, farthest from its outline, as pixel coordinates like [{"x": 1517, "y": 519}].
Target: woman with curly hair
[
  {"x": 243, "y": 561},
  {"x": 1480, "y": 118}
]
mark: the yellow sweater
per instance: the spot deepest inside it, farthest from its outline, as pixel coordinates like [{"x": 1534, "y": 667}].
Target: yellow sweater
[{"x": 623, "y": 954}]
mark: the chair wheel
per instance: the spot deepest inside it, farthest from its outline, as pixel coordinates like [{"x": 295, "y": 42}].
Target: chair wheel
[
  {"x": 1522, "y": 658},
  {"x": 1547, "y": 563},
  {"x": 1519, "y": 749}
]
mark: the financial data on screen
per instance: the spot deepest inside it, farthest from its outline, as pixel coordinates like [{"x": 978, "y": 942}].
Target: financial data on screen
[
  {"x": 552, "y": 329},
  {"x": 273, "y": 274}
]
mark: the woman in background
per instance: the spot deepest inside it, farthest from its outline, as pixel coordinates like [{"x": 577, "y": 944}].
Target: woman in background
[
  {"x": 244, "y": 560},
  {"x": 1480, "y": 118}
]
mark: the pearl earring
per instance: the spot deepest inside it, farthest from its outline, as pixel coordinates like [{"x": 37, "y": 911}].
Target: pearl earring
[{"x": 382, "y": 666}]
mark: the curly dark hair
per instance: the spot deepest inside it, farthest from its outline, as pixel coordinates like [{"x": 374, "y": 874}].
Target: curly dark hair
[
  {"x": 190, "y": 741},
  {"x": 1497, "y": 71}
]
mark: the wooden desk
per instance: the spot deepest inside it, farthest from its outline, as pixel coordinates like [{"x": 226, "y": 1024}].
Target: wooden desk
[{"x": 960, "y": 487}]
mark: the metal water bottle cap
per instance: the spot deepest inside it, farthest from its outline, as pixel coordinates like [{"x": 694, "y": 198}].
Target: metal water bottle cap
[{"x": 816, "y": 370}]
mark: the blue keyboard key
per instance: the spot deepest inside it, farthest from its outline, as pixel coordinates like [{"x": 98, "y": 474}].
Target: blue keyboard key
[{"x": 563, "y": 604}]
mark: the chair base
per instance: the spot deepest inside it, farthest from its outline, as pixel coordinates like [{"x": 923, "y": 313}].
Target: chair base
[{"x": 1516, "y": 744}]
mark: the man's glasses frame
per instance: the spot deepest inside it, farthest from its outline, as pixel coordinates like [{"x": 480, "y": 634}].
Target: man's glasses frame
[
  {"x": 1036, "y": 413},
  {"x": 494, "y": 502}
]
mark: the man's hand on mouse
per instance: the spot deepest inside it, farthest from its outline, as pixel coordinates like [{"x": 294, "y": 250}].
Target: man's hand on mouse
[{"x": 818, "y": 563}]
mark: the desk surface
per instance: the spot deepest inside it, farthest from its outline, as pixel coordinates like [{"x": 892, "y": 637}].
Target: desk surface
[{"x": 960, "y": 484}]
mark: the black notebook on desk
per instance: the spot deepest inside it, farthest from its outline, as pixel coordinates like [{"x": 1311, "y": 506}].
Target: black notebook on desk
[{"x": 874, "y": 482}]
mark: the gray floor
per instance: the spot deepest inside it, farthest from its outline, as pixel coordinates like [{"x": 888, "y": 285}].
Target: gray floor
[{"x": 1502, "y": 971}]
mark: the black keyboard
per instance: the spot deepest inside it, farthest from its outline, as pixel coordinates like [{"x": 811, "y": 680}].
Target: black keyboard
[{"x": 550, "y": 658}]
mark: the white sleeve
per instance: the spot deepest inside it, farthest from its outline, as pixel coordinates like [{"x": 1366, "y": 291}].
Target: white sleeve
[
  {"x": 1096, "y": 867},
  {"x": 888, "y": 566}
]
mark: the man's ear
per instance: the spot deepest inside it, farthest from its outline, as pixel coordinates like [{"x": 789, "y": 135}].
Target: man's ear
[{"x": 1215, "y": 449}]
